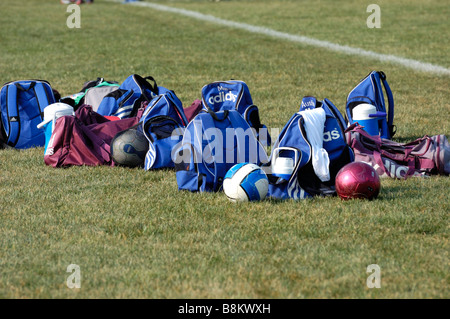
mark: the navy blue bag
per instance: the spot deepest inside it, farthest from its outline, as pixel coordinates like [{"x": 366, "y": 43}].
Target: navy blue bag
[
  {"x": 126, "y": 100},
  {"x": 290, "y": 170},
  {"x": 22, "y": 106},
  {"x": 212, "y": 143},
  {"x": 163, "y": 124},
  {"x": 234, "y": 95},
  {"x": 370, "y": 91}
]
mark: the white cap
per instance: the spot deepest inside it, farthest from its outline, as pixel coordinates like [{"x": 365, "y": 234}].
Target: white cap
[
  {"x": 54, "y": 111},
  {"x": 362, "y": 111}
]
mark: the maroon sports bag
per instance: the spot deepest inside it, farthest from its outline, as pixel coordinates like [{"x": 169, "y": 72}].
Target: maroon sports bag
[
  {"x": 84, "y": 139},
  {"x": 422, "y": 157}
]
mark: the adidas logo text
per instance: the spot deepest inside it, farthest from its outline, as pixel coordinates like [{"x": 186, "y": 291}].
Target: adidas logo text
[
  {"x": 222, "y": 97},
  {"x": 331, "y": 135}
]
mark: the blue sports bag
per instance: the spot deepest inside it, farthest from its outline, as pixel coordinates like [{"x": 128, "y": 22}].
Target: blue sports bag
[
  {"x": 163, "y": 124},
  {"x": 370, "y": 91},
  {"x": 235, "y": 95},
  {"x": 212, "y": 143},
  {"x": 22, "y": 105},
  {"x": 290, "y": 170},
  {"x": 126, "y": 100}
]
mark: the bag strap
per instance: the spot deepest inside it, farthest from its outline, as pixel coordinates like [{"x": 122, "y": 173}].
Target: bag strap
[
  {"x": 238, "y": 121},
  {"x": 219, "y": 168},
  {"x": 102, "y": 148},
  {"x": 404, "y": 152},
  {"x": 376, "y": 139},
  {"x": 354, "y": 134},
  {"x": 173, "y": 98},
  {"x": 379, "y": 161},
  {"x": 2, "y": 136},
  {"x": 348, "y": 133},
  {"x": 12, "y": 105},
  {"x": 390, "y": 119},
  {"x": 334, "y": 110},
  {"x": 42, "y": 97},
  {"x": 141, "y": 110},
  {"x": 398, "y": 157}
]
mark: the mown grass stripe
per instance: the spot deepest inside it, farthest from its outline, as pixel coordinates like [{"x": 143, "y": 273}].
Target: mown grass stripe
[{"x": 408, "y": 63}]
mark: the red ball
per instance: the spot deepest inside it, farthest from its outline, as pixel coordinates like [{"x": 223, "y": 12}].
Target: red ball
[{"x": 357, "y": 180}]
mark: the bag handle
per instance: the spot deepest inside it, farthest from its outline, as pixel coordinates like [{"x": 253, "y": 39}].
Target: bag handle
[
  {"x": 379, "y": 161},
  {"x": 376, "y": 139},
  {"x": 154, "y": 87},
  {"x": 215, "y": 117},
  {"x": 21, "y": 88},
  {"x": 143, "y": 82}
]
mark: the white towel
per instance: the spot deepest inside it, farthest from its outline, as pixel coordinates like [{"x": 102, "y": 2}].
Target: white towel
[{"x": 314, "y": 125}]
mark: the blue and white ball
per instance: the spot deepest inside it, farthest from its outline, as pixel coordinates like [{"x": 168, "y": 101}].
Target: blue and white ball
[{"x": 245, "y": 182}]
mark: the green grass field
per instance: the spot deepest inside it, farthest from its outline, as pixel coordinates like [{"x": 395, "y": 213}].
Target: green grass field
[{"x": 134, "y": 235}]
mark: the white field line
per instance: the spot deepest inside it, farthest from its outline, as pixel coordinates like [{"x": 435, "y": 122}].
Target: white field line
[{"x": 408, "y": 63}]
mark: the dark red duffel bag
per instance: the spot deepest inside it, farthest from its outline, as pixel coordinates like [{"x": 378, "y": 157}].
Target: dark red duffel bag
[
  {"x": 84, "y": 139},
  {"x": 421, "y": 157}
]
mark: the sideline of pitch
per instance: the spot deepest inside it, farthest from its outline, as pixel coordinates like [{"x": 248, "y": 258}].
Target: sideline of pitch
[{"x": 408, "y": 63}]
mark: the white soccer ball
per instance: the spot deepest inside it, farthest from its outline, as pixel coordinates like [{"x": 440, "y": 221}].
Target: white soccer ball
[{"x": 245, "y": 182}]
